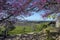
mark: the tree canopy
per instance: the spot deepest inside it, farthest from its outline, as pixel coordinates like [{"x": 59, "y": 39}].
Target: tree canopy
[{"x": 25, "y": 7}]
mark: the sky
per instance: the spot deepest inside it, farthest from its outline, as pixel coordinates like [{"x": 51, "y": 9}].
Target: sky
[{"x": 37, "y": 17}]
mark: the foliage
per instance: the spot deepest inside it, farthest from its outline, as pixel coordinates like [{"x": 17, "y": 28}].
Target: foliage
[
  {"x": 1, "y": 30},
  {"x": 49, "y": 37}
]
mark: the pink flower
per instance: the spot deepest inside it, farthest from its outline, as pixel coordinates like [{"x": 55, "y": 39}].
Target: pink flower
[{"x": 58, "y": 1}]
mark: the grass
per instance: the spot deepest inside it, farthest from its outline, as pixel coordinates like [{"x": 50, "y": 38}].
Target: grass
[
  {"x": 20, "y": 30},
  {"x": 26, "y": 29}
]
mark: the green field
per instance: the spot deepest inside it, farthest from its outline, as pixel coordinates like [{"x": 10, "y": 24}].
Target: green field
[{"x": 27, "y": 29}]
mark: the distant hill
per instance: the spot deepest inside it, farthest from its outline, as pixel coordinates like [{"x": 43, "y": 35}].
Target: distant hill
[{"x": 34, "y": 21}]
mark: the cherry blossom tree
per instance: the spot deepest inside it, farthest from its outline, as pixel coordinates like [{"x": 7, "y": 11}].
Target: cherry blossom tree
[
  {"x": 10, "y": 9},
  {"x": 25, "y": 7}
]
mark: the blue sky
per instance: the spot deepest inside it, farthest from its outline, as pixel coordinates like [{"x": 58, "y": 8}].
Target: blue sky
[{"x": 37, "y": 17}]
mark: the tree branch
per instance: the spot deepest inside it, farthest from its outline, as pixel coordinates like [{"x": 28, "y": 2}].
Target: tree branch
[{"x": 5, "y": 18}]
